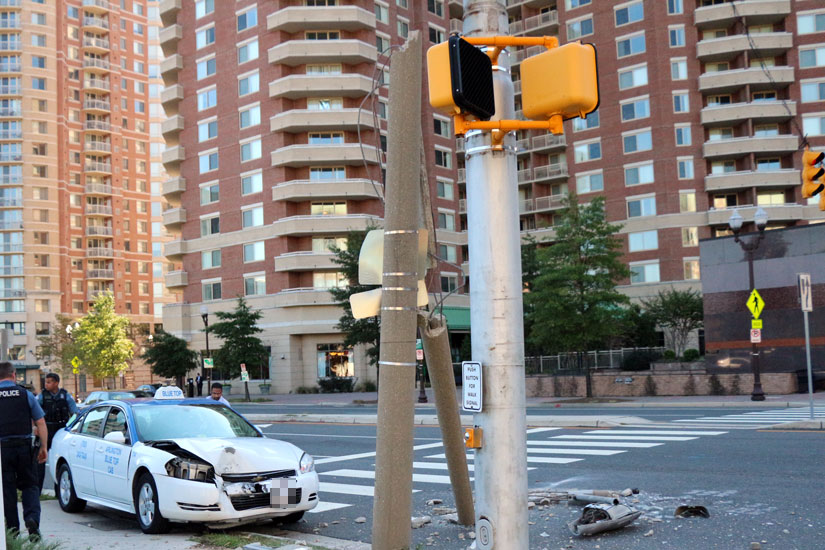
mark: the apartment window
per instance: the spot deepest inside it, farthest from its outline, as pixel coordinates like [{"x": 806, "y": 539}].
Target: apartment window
[
  {"x": 38, "y": 18},
  {"x": 38, "y": 62},
  {"x": 403, "y": 28},
  {"x": 632, "y": 77},
  {"x": 207, "y": 130},
  {"x": 328, "y": 209},
  {"x": 39, "y": 40},
  {"x": 813, "y": 57},
  {"x": 725, "y": 200},
  {"x": 572, "y": 4},
  {"x": 629, "y": 14},
  {"x": 644, "y": 272},
  {"x": 205, "y": 37},
  {"x": 322, "y": 35},
  {"x": 248, "y": 51},
  {"x": 204, "y": 7},
  {"x": 637, "y": 141},
  {"x": 441, "y": 127},
  {"x": 446, "y": 220},
  {"x": 401, "y": 3},
  {"x": 436, "y": 7},
  {"x": 253, "y": 217},
  {"x": 445, "y": 190},
  {"x": 691, "y": 267},
  {"x": 325, "y": 104},
  {"x": 592, "y": 121},
  {"x": 207, "y": 99},
  {"x": 810, "y": 23},
  {"x": 254, "y": 285},
  {"x": 681, "y": 103},
  {"x": 251, "y": 183},
  {"x": 206, "y": 67},
  {"x": 631, "y": 45},
  {"x": 768, "y": 165},
  {"x": 436, "y": 35},
  {"x": 717, "y": 134},
  {"x": 676, "y": 36},
  {"x": 253, "y": 252},
  {"x": 642, "y": 240},
  {"x": 588, "y": 151},
  {"x": 444, "y": 159},
  {"x": 251, "y": 150},
  {"x": 635, "y": 108},
  {"x": 678, "y": 69},
  {"x": 683, "y": 135},
  {"x": 382, "y": 109},
  {"x": 38, "y": 83},
  {"x": 325, "y": 138},
  {"x": 690, "y": 236},
  {"x": 813, "y": 125},
  {"x": 324, "y": 245},
  {"x": 675, "y": 7},
  {"x": 449, "y": 282},
  {"x": 770, "y": 197},
  {"x": 247, "y": 19},
  {"x": 248, "y": 84},
  {"x": 766, "y": 130},
  {"x": 638, "y": 174},
  {"x": 210, "y": 226},
  {"x": 638, "y": 207},
  {"x": 685, "y": 168},
  {"x": 208, "y": 162},
  {"x": 324, "y": 69},
  {"x": 210, "y": 259},
  {"x": 250, "y": 116},
  {"x": 327, "y": 173},
  {"x": 687, "y": 201},
  {"x": 209, "y": 193},
  {"x": 589, "y": 182},
  {"x": 328, "y": 279},
  {"x": 579, "y": 28},
  {"x": 211, "y": 290},
  {"x": 382, "y": 43},
  {"x": 382, "y": 13}
]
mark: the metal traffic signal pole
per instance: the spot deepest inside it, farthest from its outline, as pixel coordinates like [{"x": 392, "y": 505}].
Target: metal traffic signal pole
[{"x": 496, "y": 308}]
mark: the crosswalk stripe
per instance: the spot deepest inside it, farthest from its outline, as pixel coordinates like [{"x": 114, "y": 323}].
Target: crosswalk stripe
[
  {"x": 733, "y": 421},
  {"x": 625, "y": 437},
  {"x": 325, "y": 506},
  {"x": 533, "y": 459},
  {"x": 345, "y": 489},
  {"x": 623, "y": 444},
  {"x": 540, "y": 430},
  {"x": 439, "y": 465},
  {"x": 588, "y": 452},
  {"x": 263, "y": 426},
  {"x": 653, "y": 432},
  {"x": 370, "y": 474}
]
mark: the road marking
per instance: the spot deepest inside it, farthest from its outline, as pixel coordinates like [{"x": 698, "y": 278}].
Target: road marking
[
  {"x": 540, "y": 430},
  {"x": 625, "y": 437},
  {"x": 262, "y": 426},
  {"x": 628, "y": 444},
  {"x": 324, "y": 506},
  {"x": 534, "y": 459},
  {"x": 654, "y": 432},
  {"x": 591, "y": 452},
  {"x": 367, "y": 455},
  {"x": 314, "y": 435},
  {"x": 370, "y": 474},
  {"x": 441, "y": 465}
]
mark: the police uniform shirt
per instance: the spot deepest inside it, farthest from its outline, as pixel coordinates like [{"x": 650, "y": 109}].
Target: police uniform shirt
[
  {"x": 69, "y": 399},
  {"x": 34, "y": 406}
]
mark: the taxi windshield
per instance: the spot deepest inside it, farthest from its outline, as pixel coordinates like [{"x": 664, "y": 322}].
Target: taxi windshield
[{"x": 160, "y": 422}]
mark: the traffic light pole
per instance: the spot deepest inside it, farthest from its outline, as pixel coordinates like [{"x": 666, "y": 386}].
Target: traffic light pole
[{"x": 496, "y": 307}]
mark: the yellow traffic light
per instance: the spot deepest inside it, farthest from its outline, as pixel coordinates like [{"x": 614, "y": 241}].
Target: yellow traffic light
[
  {"x": 812, "y": 175},
  {"x": 562, "y": 82},
  {"x": 460, "y": 79}
]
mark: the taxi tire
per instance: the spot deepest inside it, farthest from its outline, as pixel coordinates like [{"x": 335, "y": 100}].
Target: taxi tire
[
  {"x": 294, "y": 517},
  {"x": 73, "y": 504},
  {"x": 159, "y": 524}
]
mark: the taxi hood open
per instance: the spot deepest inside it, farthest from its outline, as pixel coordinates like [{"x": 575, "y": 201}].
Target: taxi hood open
[{"x": 243, "y": 455}]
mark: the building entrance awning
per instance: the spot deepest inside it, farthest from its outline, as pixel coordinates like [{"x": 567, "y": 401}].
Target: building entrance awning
[{"x": 458, "y": 318}]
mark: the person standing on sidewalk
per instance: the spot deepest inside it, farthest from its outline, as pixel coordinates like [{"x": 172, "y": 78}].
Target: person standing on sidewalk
[
  {"x": 18, "y": 409},
  {"x": 58, "y": 406},
  {"x": 199, "y": 384},
  {"x": 217, "y": 394}
]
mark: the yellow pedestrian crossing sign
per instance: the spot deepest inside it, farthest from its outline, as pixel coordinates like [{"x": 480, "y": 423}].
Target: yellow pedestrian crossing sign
[
  {"x": 76, "y": 362},
  {"x": 755, "y": 304}
]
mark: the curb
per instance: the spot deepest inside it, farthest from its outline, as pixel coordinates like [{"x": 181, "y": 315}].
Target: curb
[
  {"x": 692, "y": 404},
  {"x": 812, "y": 425},
  {"x": 432, "y": 420},
  {"x": 303, "y": 540}
]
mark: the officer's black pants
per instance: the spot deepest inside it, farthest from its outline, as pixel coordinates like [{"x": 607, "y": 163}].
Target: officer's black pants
[{"x": 19, "y": 472}]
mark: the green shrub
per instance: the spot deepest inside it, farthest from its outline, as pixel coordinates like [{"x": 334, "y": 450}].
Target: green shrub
[
  {"x": 640, "y": 360},
  {"x": 366, "y": 386},
  {"x": 691, "y": 354},
  {"x": 650, "y": 386},
  {"x": 307, "y": 389},
  {"x": 669, "y": 354},
  {"x": 716, "y": 387},
  {"x": 23, "y": 543},
  {"x": 335, "y": 384}
]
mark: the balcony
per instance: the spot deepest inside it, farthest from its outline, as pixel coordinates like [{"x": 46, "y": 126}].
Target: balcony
[
  {"x": 96, "y": 85},
  {"x": 96, "y": 6},
  {"x": 98, "y": 210},
  {"x": 97, "y": 147},
  {"x": 456, "y": 8},
  {"x": 174, "y": 155},
  {"x": 100, "y": 274},
  {"x": 755, "y": 12},
  {"x": 524, "y": 176},
  {"x": 730, "y": 81},
  {"x": 7, "y": 248},
  {"x": 548, "y": 142},
  {"x": 10, "y": 225},
  {"x": 6, "y": 271},
  {"x": 776, "y": 212},
  {"x": 10, "y": 3},
  {"x": 10, "y": 24},
  {"x": 176, "y": 279},
  {"x": 10, "y": 89},
  {"x": 301, "y": 52},
  {"x": 171, "y": 64},
  {"x": 747, "y": 179},
  {"x": 97, "y": 126},
  {"x": 11, "y": 67},
  {"x": 100, "y": 252},
  {"x": 304, "y": 190},
  {"x": 101, "y": 168},
  {"x": 549, "y": 172},
  {"x": 299, "y": 18},
  {"x": 11, "y": 134},
  {"x": 323, "y": 155},
  {"x": 759, "y": 111},
  {"x": 97, "y": 106},
  {"x": 15, "y": 112},
  {"x": 462, "y": 175},
  {"x": 174, "y": 217},
  {"x": 169, "y": 10},
  {"x": 462, "y": 206},
  {"x": 98, "y": 189},
  {"x": 11, "y": 180},
  {"x": 11, "y": 202},
  {"x": 445, "y": 236},
  {"x": 11, "y": 156},
  {"x": 769, "y": 44},
  {"x": 98, "y": 65},
  {"x": 170, "y": 36},
  {"x": 739, "y": 147},
  {"x": 171, "y": 95},
  {"x": 297, "y": 297},
  {"x": 12, "y": 293},
  {"x": 96, "y": 23},
  {"x": 95, "y": 45},
  {"x": 538, "y": 25},
  {"x": 172, "y": 125},
  {"x": 523, "y": 53},
  {"x": 99, "y": 231},
  {"x": 307, "y": 120},
  {"x": 319, "y": 225},
  {"x": 10, "y": 46},
  {"x": 549, "y": 203},
  {"x": 336, "y": 85},
  {"x": 174, "y": 187},
  {"x": 174, "y": 250},
  {"x": 91, "y": 295},
  {"x": 304, "y": 261}
]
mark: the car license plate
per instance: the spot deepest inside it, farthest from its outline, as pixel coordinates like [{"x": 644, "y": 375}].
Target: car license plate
[{"x": 283, "y": 492}]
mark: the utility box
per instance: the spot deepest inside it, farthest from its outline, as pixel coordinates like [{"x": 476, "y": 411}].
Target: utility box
[{"x": 561, "y": 81}]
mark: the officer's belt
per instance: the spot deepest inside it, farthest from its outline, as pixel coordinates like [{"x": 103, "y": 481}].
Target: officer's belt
[{"x": 16, "y": 442}]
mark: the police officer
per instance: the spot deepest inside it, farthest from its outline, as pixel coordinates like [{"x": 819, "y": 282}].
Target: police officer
[
  {"x": 18, "y": 409},
  {"x": 59, "y": 406}
]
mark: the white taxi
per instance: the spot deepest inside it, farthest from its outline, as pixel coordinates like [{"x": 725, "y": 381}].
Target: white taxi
[{"x": 171, "y": 459}]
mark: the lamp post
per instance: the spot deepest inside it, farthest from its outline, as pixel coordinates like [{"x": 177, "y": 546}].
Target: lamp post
[
  {"x": 760, "y": 218},
  {"x": 205, "y": 317}
]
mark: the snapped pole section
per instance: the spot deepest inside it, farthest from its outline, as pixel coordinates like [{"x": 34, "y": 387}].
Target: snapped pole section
[
  {"x": 496, "y": 313},
  {"x": 808, "y": 358},
  {"x": 436, "y": 342},
  {"x": 394, "y": 445}
]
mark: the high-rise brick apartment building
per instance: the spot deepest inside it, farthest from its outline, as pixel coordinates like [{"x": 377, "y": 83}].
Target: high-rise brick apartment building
[{"x": 75, "y": 166}]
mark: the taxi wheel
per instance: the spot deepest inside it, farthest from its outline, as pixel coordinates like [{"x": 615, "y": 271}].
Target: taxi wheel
[
  {"x": 294, "y": 517},
  {"x": 147, "y": 509},
  {"x": 64, "y": 489}
]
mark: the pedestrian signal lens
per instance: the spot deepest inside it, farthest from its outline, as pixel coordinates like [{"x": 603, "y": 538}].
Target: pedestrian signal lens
[
  {"x": 561, "y": 81},
  {"x": 460, "y": 79}
]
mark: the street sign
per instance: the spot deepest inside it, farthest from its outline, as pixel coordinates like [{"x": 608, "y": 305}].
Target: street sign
[
  {"x": 243, "y": 367},
  {"x": 755, "y": 304},
  {"x": 471, "y": 386},
  {"x": 244, "y": 376},
  {"x": 805, "y": 296},
  {"x": 756, "y": 323},
  {"x": 76, "y": 362},
  {"x": 208, "y": 363},
  {"x": 419, "y": 355},
  {"x": 756, "y": 335}
]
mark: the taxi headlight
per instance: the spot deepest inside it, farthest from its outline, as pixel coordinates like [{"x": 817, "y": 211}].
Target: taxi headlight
[
  {"x": 190, "y": 470},
  {"x": 307, "y": 463}
]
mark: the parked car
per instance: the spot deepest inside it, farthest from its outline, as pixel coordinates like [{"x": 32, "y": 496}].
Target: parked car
[
  {"x": 149, "y": 388},
  {"x": 98, "y": 396},
  {"x": 171, "y": 459}
]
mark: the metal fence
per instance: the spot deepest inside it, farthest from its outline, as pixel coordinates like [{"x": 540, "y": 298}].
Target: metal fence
[{"x": 567, "y": 363}]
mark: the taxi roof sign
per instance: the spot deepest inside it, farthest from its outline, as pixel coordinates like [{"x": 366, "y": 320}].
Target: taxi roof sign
[{"x": 169, "y": 392}]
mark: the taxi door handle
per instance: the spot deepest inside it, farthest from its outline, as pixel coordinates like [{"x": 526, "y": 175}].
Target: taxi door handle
[
  {"x": 73, "y": 443},
  {"x": 99, "y": 449}
]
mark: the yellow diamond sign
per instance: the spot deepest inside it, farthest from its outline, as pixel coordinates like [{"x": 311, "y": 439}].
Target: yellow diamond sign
[
  {"x": 76, "y": 362},
  {"x": 755, "y": 304}
]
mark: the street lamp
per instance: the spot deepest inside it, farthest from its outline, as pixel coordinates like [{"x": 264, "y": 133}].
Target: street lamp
[
  {"x": 760, "y": 218},
  {"x": 205, "y": 317}
]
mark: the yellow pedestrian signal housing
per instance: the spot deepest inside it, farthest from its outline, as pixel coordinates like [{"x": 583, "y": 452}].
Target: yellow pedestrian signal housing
[
  {"x": 472, "y": 437},
  {"x": 812, "y": 173},
  {"x": 461, "y": 79},
  {"x": 562, "y": 82}
]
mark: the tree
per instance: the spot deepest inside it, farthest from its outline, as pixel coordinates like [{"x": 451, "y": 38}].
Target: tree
[
  {"x": 169, "y": 356},
  {"x": 530, "y": 269},
  {"x": 356, "y": 331},
  {"x": 102, "y": 339},
  {"x": 237, "y": 329},
  {"x": 58, "y": 346},
  {"x": 574, "y": 303},
  {"x": 678, "y": 312},
  {"x": 638, "y": 327}
]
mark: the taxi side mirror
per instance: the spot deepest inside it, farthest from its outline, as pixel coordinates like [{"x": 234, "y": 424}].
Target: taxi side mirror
[{"x": 115, "y": 437}]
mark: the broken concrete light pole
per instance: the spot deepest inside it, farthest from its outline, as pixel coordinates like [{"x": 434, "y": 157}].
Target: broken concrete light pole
[
  {"x": 394, "y": 446},
  {"x": 496, "y": 312}
]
